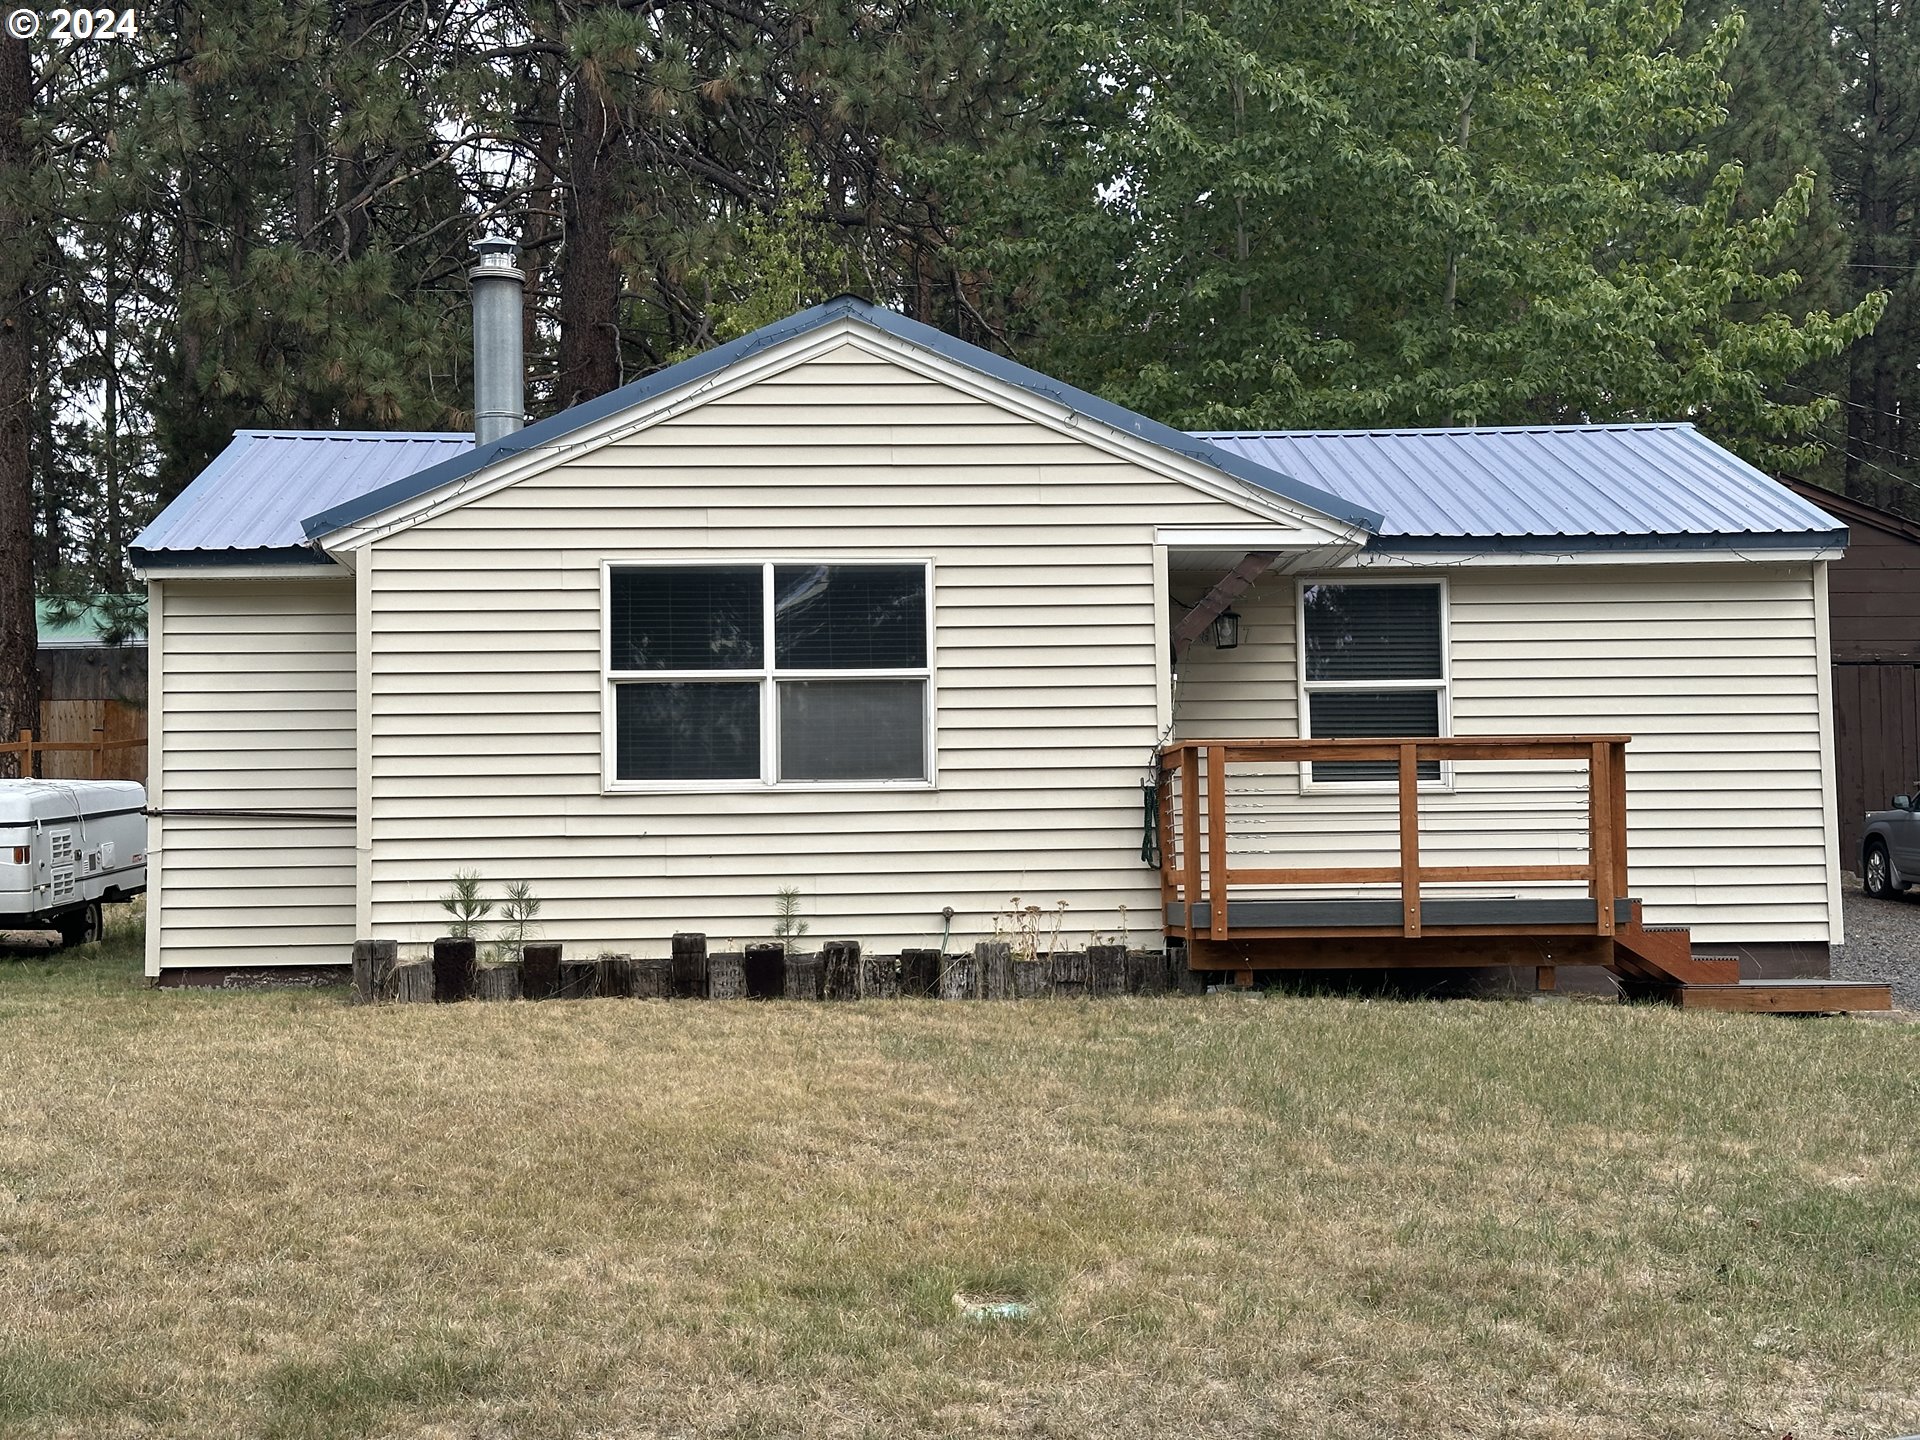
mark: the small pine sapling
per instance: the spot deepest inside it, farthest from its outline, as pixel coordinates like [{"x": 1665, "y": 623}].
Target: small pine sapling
[
  {"x": 517, "y": 915},
  {"x": 788, "y": 927},
  {"x": 465, "y": 904}
]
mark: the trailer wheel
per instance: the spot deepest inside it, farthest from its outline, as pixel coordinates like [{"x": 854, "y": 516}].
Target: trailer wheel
[{"x": 82, "y": 926}]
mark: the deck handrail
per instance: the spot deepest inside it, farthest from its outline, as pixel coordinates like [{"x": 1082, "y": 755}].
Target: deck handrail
[{"x": 1194, "y": 868}]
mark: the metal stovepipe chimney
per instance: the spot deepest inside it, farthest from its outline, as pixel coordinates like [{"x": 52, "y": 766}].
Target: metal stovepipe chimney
[{"x": 499, "y": 377}]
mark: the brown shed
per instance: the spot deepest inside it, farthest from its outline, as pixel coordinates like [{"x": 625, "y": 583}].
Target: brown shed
[{"x": 1873, "y": 597}]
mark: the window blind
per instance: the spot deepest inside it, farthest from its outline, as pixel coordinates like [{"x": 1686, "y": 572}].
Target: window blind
[
  {"x": 849, "y": 617},
  {"x": 1373, "y": 632},
  {"x": 1362, "y": 714},
  {"x": 687, "y": 730},
  {"x": 686, "y": 617}
]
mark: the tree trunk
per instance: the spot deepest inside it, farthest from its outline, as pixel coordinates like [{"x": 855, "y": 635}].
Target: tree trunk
[
  {"x": 350, "y": 166},
  {"x": 589, "y": 277},
  {"x": 112, "y": 568},
  {"x": 19, "y": 661},
  {"x": 1450, "y": 291},
  {"x": 305, "y": 165},
  {"x": 1865, "y": 472},
  {"x": 51, "y": 541},
  {"x": 540, "y": 231}
]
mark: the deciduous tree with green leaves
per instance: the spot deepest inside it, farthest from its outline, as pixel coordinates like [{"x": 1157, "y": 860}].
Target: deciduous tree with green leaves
[{"x": 1347, "y": 213}]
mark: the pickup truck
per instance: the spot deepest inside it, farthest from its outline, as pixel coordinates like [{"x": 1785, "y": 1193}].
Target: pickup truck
[{"x": 67, "y": 846}]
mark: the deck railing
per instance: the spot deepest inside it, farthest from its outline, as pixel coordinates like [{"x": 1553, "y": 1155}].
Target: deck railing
[{"x": 1194, "y": 866}]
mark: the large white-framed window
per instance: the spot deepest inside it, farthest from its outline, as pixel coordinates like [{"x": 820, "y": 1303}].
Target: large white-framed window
[
  {"x": 1373, "y": 661},
  {"x": 745, "y": 674}
]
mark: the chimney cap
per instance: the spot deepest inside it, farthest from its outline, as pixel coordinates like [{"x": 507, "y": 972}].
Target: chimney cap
[{"x": 495, "y": 258}]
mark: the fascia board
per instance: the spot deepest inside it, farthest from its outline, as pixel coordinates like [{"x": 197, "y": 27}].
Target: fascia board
[
  {"x": 329, "y": 571},
  {"x": 1524, "y": 559}
]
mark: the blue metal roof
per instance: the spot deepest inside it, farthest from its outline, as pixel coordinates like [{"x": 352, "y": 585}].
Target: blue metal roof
[
  {"x": 248, "y": 504},
  {"x": 1547, "y": 488},
  {"x": 349, "y": 511},
  {"x": 1544, "y": 489}
]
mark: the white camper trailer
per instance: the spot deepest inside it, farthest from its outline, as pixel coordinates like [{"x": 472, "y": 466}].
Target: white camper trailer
[{"x": 66, "y": 846}]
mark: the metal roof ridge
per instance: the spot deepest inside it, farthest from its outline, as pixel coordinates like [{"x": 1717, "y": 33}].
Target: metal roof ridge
[
  {"x": 448, "y": 435},
  {"x": 1450, "y": 430}
]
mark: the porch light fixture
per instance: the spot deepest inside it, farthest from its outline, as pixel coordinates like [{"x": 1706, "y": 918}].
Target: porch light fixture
[{"x": 1226, "y": 630}]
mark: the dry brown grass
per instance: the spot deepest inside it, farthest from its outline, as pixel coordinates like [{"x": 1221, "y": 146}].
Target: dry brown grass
[{"x": 272, "y": 1215}]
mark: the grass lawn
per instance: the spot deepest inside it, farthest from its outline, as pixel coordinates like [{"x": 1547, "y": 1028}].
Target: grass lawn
[{"x": 268, "y": 1214}]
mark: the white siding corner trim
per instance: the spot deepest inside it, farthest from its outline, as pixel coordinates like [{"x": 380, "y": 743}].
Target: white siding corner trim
[
  {"x": 156, "y": 768},
  {"x": 1829, "y": 789}
]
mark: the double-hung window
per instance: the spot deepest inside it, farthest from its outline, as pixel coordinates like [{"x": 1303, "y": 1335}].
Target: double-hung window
[
  {"x": 1373, "y": 662},
  {"x": 768, "y": 673}
]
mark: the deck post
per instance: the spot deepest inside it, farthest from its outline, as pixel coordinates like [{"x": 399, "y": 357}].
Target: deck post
[
  {"x": 1600, "y": 833},
  {"x": 1410, "y": 838},
  {"x": 1190, "y": 835},
  {"x": 1617, "y": 764},
  {"x": 1217, "y": 840},
  {"x": 1163, "y": 825}
]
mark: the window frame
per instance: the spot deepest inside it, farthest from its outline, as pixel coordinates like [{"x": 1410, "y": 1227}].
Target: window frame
[
  {"x": 1305, "y": 688},
  {"x": 767, "y": 676}
]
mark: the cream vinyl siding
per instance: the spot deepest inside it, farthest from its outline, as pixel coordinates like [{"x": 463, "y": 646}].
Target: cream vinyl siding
[
  {"x": 487, "y": 689},
  {"x": 254, "y": 711},
  {"x": 1713, "y": 669}
]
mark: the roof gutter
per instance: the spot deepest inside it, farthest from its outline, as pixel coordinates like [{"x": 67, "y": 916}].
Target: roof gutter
[{"x": 203, "y": 559}]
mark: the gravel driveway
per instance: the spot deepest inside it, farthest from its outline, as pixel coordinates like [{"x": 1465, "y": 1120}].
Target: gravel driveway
[{"x": 1883, "y": 942}]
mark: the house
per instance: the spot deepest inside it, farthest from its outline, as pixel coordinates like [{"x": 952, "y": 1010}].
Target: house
[
  {"x": 852, "y": 606},
  {"x": 1874, "y": 600}
]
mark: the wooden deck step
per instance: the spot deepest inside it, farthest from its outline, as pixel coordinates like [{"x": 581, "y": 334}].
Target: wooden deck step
[
  {"x": 1664, "y": 953},
  {"x": 1785, "y": 997}
]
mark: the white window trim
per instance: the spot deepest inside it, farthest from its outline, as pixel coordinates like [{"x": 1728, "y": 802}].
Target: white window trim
[
  {"x": 766, "y": 676},
  {"x": 1304, "y": 688}
]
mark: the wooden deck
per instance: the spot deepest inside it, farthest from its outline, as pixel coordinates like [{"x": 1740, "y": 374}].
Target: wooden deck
[{"x": 1245, "y": 933}]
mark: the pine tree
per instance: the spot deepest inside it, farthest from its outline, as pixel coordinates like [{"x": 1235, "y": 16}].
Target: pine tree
[
  {"x": 20, "y": 190},
  {"x": 1874, "y": 142},
  {"x": 1784, "y": 87},
  {"x": 314, "y": 281}
]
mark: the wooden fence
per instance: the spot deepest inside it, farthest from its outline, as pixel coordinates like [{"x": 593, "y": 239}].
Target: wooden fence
[{"x": 96, "y": 758}]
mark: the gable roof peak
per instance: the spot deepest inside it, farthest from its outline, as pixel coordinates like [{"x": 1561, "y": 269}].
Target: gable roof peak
[{"x": 1261, "y": 484}]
